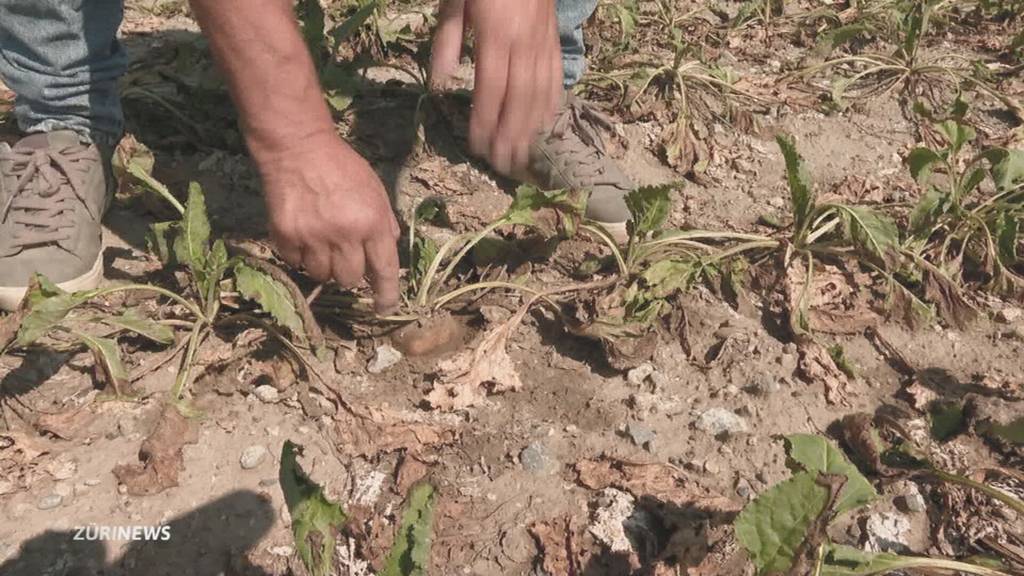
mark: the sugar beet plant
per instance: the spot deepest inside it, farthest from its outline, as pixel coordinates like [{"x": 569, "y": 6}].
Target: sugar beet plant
[
  {"x": 909, "y": 70},
  {"x": 69, "y": 318},
  {"x": 968, "y": 218},
  {"x": 785, "y": 530}
]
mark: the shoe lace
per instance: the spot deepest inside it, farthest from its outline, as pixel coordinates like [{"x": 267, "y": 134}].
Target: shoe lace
[
  {"x": 583, "y": 119},
  {"x": 47, "y": 184}
]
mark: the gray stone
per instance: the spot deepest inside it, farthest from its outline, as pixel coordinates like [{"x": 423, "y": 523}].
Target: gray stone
[
  {"x": 253, "y": 456},
  {"x": 637, "y": 376},
  {"x": 383, "y": 358},
  {"x": 887, "y": 532},
  {"x": 717, "y": 421},
  {"x": 267, "y": 393},
  {"x": 641, "y": 435},
  {"x": 915, "y": 502},
  {"x": 50, "y": 502},
  {"x": 744, "y": 489},
  {"x": 535, "y": 459}
]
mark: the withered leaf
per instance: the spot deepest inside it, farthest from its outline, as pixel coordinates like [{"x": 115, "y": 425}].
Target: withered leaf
[
  {"x": 381, "y": 432},
  {"x": 655, "y": 480},
  {"x": 160, "y": 456},
  {"x": 816, "y": 366}
]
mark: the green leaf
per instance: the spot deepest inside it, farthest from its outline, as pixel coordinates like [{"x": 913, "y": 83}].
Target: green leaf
[
  {"x": 132, "y": 321},
  {"x": 108, "y": 357},
  {"x": 528, "y": 200},
  {"x": 272, "y": 297},
  {"x": 316, "y": 521},
  {"x": 1012, "y": 432},
  {"x": 48, "y": 306},
  {"x": 1007, "y": 168},
  {"x": 817, "y": 455},
  {"x": 947, "y": 420},
  {"x": 665, "y": 277},
  {"x": 424, "y": 251},
  {"x": 217, "y": 264},
  {"x": 433, "y": 210},
  {"x": 1007, "y": 238},
  {"x": 193, "y": 243},
  {"x": 161, "y": 240},
  {"x": 956, "y": 134},
  {"x": 872, "y": 233},
  {"x": 801, "y": 192},
  {"x": 410, "y": 555},
  {"x": 354, "y": 22},
  {"x": 924, "y": 216},
  {"x": 774, "y": 525},
  {"x": 920, "y": 161},
  {"x": 840, "y": 36},
  {"x": 649, "y": 208},
  {"x": 341, "y": 84},
  {"x": 311, "y": 16}
]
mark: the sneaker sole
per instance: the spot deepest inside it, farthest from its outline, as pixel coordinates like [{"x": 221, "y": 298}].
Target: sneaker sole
[{"x": 10, "y": 298}]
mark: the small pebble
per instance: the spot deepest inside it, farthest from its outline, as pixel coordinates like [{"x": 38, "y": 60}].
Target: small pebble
[
  {"x": 253, "y": 456},
  {"x": 716, "y": 421},
  {"x": 50, "y": 502},
  {"x": 383, "y": 358},
  {"x": 571, "y": 429},
  {"x": 267, "y": 482},
  {"x": 92, "y": 482},
  {"x": 641, "y": 435},
  {"x": 637, "y": 376},
  {"x": 534, "y": 459},
  {"x": 267, "y": 393},
  {"x": 1009, "y": 315},
  {"x": 744, "y": 489}
]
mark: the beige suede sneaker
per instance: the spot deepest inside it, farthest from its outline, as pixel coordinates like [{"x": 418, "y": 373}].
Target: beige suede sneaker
[
  {"x": 53, "y": 192},
  {"x": 571, "y": 155}
]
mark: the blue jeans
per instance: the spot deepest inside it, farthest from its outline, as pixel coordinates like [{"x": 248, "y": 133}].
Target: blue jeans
[{"x": 63, "y": 61}]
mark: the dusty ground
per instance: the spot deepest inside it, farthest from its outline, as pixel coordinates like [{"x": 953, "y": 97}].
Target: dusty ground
[{"x": 508, "y": 472}]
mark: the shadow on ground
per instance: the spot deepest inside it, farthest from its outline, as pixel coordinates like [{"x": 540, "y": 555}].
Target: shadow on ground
[{"x": 209, "y": 541}]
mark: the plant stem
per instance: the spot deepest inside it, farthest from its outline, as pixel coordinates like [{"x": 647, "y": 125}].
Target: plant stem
[
  {"x": 185, "y": 374},
  {"x": 989, "y": 491},
  {"x": 150, "y": 288},
  {"x": 605, "y": 237}
]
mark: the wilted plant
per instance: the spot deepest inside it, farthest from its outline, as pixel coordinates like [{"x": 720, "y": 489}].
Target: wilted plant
[
  {"x": 908, "y": 69},
  {"x": 317, "y": 523},
  {"x": 959, "y": 221},
  {"x": 47, "y": 310}
]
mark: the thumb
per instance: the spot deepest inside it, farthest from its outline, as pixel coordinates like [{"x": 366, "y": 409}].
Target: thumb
[{"x": 447, "y": 47}]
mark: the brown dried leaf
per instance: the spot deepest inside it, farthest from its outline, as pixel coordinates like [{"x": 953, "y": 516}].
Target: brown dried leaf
[
  {"x": 382, "y": 432},
  {"x": 64, "y": 425},
  {"x": 410, "y": 471},
  {"x": 816, "y": 365},
  {"x": 465, "y": 376},
  {"x": 835, "y": 301},
  {"x": 554, "y": 544},
  {"x": 656, "y": 480},
  {"x": 857, "y": 431},
  {"x": 160, "y": 456},
  {"x": 947, "y": 296}
]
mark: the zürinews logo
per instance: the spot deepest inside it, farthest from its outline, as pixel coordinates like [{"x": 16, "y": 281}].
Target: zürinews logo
[{"x": 123, "y": 533}]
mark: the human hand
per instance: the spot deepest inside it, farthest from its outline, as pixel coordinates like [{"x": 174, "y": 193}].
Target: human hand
[
  {"x": 330, "y": 214},
  {"x": 518, "y": 83}
]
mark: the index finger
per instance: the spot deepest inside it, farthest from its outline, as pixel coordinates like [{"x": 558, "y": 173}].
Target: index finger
[
  {"x": 492, "y": 68},
  {"x": 382, "y": 271}
]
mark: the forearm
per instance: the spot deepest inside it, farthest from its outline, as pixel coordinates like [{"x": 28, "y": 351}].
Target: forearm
[{"x": 269, "y": 71}]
